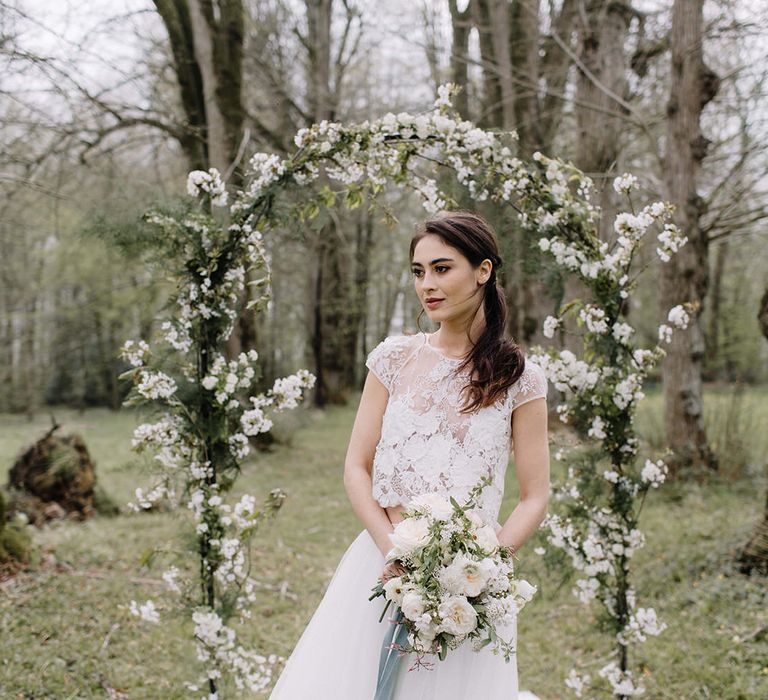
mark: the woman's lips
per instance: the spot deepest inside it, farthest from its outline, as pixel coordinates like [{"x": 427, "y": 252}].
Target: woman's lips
[{"x": 435, "y": 303}]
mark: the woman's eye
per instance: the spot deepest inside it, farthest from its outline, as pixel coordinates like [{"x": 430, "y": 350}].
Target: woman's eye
[{"x": 438, "y": 268}]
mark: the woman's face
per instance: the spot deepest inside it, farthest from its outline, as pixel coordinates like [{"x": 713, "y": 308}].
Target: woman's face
[{"x": 442, "y": 273}]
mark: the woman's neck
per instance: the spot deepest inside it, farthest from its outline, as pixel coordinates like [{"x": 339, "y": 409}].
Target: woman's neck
[{"x": 451, "y": 338}]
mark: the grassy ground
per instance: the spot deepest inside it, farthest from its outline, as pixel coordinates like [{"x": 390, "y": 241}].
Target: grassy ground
[{"x": 66, "y": 632}]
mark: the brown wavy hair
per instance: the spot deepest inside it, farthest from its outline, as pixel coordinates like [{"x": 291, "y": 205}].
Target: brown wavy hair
[{"x": 497, "y": 361}]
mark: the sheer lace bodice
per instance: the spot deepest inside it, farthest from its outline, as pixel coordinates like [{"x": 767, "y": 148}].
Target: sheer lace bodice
[{"x": 426, "y": 444}]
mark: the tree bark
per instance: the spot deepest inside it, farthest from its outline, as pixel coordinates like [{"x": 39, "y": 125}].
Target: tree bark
[
  {"x": 685, "y": 277},
  {"x": 524, "y": 38},
  {"x": 460, "y": 26},
  {"x": 517, "y": 91},
  {"x": 602, "y": 28},
  {"x": 602, "y": 74},
  {"x": 334, "y": 319},
  {"x": 716, "y": 297},
  {"x": 207, "y": 49}
]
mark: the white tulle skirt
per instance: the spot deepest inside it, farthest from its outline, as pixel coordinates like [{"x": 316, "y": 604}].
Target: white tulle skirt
[{"x": 337, "y": 656}]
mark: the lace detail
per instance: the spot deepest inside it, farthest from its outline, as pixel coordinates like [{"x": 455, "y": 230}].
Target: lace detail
[{"x": 426, "y": 444}]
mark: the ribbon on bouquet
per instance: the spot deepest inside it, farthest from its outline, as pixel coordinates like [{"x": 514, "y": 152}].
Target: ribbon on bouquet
[{"x": 390, "y": 658}]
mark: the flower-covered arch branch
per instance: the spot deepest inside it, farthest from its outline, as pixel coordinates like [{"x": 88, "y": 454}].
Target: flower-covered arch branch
[{"x": 208, "y": 410}]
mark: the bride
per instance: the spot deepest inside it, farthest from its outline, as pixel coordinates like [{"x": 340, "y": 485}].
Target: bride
[{"x": 437, "y": 412}]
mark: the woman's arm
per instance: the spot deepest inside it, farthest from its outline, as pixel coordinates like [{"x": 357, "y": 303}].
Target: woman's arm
[
  {"x": 531, "y": 448},
  {"x": 358, "y": 465}
]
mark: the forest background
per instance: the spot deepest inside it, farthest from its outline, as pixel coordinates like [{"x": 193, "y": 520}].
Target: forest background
[
  {"x": 105, "y": 107},
  {"x": 101, "y": 119}
]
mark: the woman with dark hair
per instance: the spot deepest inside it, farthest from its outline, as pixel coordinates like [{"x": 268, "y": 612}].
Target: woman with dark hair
[{"x": 438, "y": 412}]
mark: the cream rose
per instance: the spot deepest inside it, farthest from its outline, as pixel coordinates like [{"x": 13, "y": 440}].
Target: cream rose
[
  {"x": 475, "y": 519},
  {"x": 457, "y": 616},
  {"x": 413, "y": 605},
  {"x": 439, "y": 507},
  {"x": 409, "y": 534},
  {"x": 486, "y": 539}
]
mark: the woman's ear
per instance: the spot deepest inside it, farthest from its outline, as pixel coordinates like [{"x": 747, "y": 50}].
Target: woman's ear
[{"x": 484, "y": 271}]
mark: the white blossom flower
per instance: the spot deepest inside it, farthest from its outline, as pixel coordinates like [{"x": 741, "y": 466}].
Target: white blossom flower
[
  {"x": 210, "y": 182},
  {"x": 597, "y": 429},
  {"x": 209, "y": 382},
  {"x": 170, "y": 576},
  {"x": 551, "y": 324},
  {"x": 394, "y": 590},
  {"x": 642, "y": 623},
  {"x": 413, "y": 605},
  {"x": 135, "y": 353},
  {"x": 654, "y": 473},
  {"x": 621, "y": 682},
  {"x": 576, "y": 683},
  {"x": 594, "y": 318},
  {"x": 678, "y": 316},
  {"x": 156, "y": 385},
  {"x": 622, "y": 332},
  {"x": 146, "y": 611},
  {"x": 625, "y": 183}
]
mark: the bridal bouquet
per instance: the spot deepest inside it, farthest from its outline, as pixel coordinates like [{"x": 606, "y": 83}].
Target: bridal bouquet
[{"x": 457, "y": 586}]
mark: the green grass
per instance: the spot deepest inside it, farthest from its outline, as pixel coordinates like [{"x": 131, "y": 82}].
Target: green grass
[{"x": 66, "y": 631}]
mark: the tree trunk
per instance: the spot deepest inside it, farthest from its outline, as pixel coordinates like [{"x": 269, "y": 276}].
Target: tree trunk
[
  {"x": 524, "y": 53},
  {"x": 685, "y": 277},
  {"x": 603, "y": 73},
  {"x": 602, "y": 30},
  {"x": 524, "y": 76},
  {"x": 713, "y": 335},
  {"x": 207, "y": 47},
  {"x": 363, "y": 245},
  {"x": 334, "y": 333},
  {"x": 460, "y": 26},
  {"x": 490, "y": 112},
  {"x": 498, "y": 14}
]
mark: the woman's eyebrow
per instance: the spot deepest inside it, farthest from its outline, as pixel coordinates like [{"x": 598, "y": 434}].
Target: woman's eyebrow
[{"x": 436, "y": 260}]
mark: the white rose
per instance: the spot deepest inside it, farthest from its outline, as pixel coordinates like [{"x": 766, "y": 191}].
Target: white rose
[
  {"x": 475, "y": 518},
  {"x": 413, "y": 605},
  {"x": 438, "y": 507},
  {"x": 393, "y": 590},
  {"x": 486, "y": 539},
  {"x": 457, "y": 616},
  {"x": 409, "y": 534}
]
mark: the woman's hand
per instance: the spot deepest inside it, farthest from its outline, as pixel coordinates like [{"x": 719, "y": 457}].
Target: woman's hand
[{"x": 392, "y": 569}]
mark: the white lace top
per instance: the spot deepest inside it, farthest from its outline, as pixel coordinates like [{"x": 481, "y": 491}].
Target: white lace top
[{"x": 426, "y": 444}]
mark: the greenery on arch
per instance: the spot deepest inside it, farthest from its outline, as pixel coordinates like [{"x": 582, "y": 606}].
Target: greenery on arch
[{"x": 208, "y": 412}]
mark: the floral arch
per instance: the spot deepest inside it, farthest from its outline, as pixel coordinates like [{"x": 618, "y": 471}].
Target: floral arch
[{"x": 207, "y": 412}]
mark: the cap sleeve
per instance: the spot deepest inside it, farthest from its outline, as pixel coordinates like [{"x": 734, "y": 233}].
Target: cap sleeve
[
  {"x": 387, "y": 357},
  {"x": 531, "y": 385}
]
